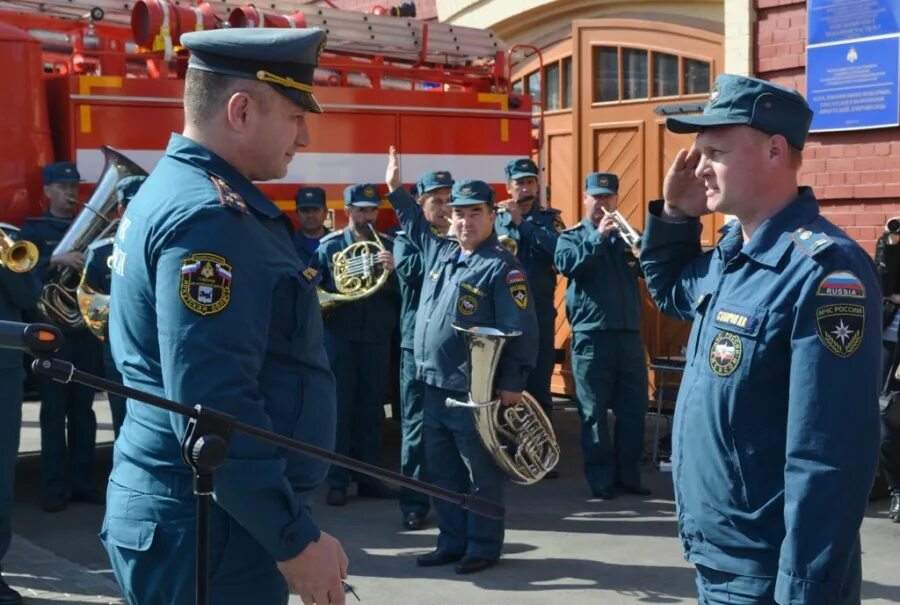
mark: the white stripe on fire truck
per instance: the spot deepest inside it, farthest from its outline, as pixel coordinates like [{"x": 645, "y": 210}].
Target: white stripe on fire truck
[{"x": 335, "y": 168}]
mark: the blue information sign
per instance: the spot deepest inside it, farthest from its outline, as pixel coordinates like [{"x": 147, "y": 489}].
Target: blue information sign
[
  {"x": 837, "y": 20},
  {"x": 854, "y": 85}
]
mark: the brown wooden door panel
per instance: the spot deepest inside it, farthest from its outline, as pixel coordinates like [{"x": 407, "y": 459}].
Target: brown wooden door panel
[{"x": 619, "y": 148}]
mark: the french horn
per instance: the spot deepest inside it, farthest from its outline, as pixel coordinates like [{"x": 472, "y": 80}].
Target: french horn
[
  {"x": 357, "y": 273},
  {"x": 519, "y": 437}
]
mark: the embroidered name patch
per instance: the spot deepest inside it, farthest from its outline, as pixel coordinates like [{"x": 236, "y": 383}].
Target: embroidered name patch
[
  {"x": 471, "y": 288},
  {"x": 205, "y": 285},
  {"x": 725, "y": 353},
  {"x": 841, "y": 328},
  {"x": 841, "y": 284},
  {"x": 467, "y": 305},
  {"x": 734, "y": 319}
]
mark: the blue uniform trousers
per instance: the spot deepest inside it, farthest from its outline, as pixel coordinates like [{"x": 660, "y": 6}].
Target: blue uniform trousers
[
  {"x": 361, "y": 374},
  {"x": 539, "y": 378},
  {"x": 10, "y": 422},
  {"x": 412, "y": 448},
  {"x": 68, "y": 423},
  {"x": 116, "y": 402},
  {"x": 610, "y": 373},
  {"x": 457, "y": 460},
  {"x": 152, "y": 547}
]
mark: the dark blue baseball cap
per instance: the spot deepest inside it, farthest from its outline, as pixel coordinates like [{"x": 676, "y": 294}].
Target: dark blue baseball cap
[
  {"x": 61, "y": 172},
  {"x": 434, "y": 180},
  {"x": 601, "y": 183},
  {"x": 471, "y": 193},
  {"x": 521, "y": 168},
  {"x": 363, "y": 195},
  {"x": 764, "y": 106},
  {"x": 310, "y": 197},
  {"x": 127, "y": 188},
  {"x": 284, "y": 58}
]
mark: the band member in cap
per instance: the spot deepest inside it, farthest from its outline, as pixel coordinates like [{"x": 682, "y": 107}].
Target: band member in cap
[
  {"x": 358, "y": 339},
  {"x": 471, "y": 280},
  {"x": 775, "y": 440},
  {"x": 68, "y": 422},
  {"x": 211, "y": 307},
  {"x": 535, "y": 229},
  {"x": 96, "y": 278},
  {"x": 311, "y": 214},
  {"x": 433, "y": 195},
  {"x": 603, "y": 305}
]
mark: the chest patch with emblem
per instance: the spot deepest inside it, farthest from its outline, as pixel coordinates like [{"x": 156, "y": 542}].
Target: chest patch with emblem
[
  {"x": 205, "y": 285},
  {"x": 725, "y": 353},
  {"x": 841, "y": 327},
  {"x": 841, "y": 284},
  {"x": 467, "y": 305}
]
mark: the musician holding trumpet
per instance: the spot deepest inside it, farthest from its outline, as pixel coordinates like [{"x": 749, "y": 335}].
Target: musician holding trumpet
[{"x": 603, "y": 305}]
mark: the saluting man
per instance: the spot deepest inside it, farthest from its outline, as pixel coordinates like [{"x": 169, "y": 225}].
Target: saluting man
[
  {"x": 211, "y": 307},
  {"x": 311, "y": 214},
  {"x": 776, "y": 430},
  {"x": 603, "y": 305},
  {"x": 470, "y": 280},
  {"x": 433, "y": 195},
  {"x": 535, "y": 229},
  {"x": 358, "y": 339}
]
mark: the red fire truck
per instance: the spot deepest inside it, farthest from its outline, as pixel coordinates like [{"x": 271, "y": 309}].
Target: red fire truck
[{"x": 82, "y": 74}]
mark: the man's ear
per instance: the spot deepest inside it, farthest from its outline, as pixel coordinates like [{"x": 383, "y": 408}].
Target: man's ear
[
  {"x": 779, "y": 149},
  {"x": 237, "y": 111}
]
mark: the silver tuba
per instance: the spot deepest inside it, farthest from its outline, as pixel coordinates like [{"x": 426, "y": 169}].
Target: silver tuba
[
  {"x": 59, "y": 301},
  {"x": 519, "y": 437}
]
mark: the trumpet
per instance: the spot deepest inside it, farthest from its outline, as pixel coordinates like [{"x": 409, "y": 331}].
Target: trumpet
[
  {"x": 17, "y": 256},
  {"x": 630, "y": 235},
  {"x": 356, "y": 274}
]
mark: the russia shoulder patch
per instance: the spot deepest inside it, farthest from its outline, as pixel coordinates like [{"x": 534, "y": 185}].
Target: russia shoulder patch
[
  {"x": 841, "y": 284},
  {"x": 228, "y": 197},
  {"x": 515, "y": 277},
  {"x": 205, "y": 283}
]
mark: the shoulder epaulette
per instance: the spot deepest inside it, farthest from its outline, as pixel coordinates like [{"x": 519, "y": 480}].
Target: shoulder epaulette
[
  {"x": 811, "y": 242},
  {"x": 228, "y": 197},
  {"x": 577, "y": 225},
  {"x": 330, "y": 236}
]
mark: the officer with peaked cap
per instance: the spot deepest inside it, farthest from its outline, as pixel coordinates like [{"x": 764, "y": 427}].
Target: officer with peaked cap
[
  {"x": 96, "y": 278},
  {"x": 603, "y": 305},
  {"x": 358, "y": 338},
  {"x": 433, "y": 195},
  {"x": 68, "y": 422},
  {"x": 311, "y": 215},
  {"x": 776, "y": 429},
  {"x": 470, "y": 280},
  {"x": 201, "y": 316},
  {"x": 535, "y": 229}
]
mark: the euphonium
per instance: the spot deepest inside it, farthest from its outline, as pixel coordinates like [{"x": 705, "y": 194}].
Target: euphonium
[
  {"x": 17, "y": 256},
  {"x": 356, "y": 273},
  {"x": 59, "y": 300},
  {"x": 519, "y": 437},
  {"x": 630, "y": 235},
  {"x": 93, "y": 304}
]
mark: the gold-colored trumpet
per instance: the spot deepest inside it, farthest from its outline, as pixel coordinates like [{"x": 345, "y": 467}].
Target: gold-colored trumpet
[{"x": 18, "y": 257}]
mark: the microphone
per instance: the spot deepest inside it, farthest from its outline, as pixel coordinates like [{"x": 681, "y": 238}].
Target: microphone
[{"x": 35, "y": 339}]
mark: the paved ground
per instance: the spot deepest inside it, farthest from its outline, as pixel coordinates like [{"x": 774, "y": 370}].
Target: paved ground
[{"x": 560, "y": 546}]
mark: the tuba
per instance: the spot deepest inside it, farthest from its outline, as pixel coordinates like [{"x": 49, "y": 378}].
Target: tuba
[
  {"x": 59, "y": 300},
  {"x": 519, "y": 437},
  {"x": 17, "y": 256},
  {"x": 356, "y": 273},
  {"x": 630, "y": 235}
]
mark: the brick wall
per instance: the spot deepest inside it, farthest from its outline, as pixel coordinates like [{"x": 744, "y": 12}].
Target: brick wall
[{"x": 856, "y": 175}]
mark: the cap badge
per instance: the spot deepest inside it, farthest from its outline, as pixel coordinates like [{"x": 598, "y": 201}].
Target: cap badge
[
  {"x": 604, "y": 181},
  {"x": 465, "y": 191},
  {"x": 369, "y": 192},
  {"x": 714, "y": 95}
]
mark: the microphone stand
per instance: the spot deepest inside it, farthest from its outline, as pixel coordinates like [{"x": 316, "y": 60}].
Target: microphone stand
[{"x": 204, "y": 447}]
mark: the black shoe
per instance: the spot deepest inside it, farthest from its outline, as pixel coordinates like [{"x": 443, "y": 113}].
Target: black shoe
[
  {"x": 8, "y": 596},
  {"x": 414, "y": 521},
  {"x": 336, "y": 497},
  {"x": 603, "y": 494},
  {"x": 93, "y": 497},
  {"x": 473, "y": 565},
  {"x": 552, "y": 474},
  {"x": 634, "y": 491},
  {"x": 53, "y": 505},
  {"x": 377, "y": 490},
  {"x": 894, "y": 512},
  {"x": 437, "y": 557}
]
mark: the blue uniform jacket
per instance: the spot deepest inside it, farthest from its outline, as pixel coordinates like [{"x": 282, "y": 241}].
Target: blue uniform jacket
[
  {"x": 776, "y": 429},
  {"x": 602, "y": 293},
  {"x": 307, "y": 246},
  {"x": 211, "y": 307},
  {"x": 408, "y": 260},
  {"x": 536, "y": 237},
  {"x": 371, "y": 319},
  {"x": 45, "y": 232},
  {"x": 485, "y": 288},
  {"x": 18, "y": 291}
]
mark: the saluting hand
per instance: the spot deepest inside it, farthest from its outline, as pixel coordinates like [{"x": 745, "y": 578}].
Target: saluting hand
[
  {"x": 386, "y": 259},
  {"x": 316, "y": 573},
  {"x": 392, "y": 175},
  {"x": 684, "y": 192}
]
